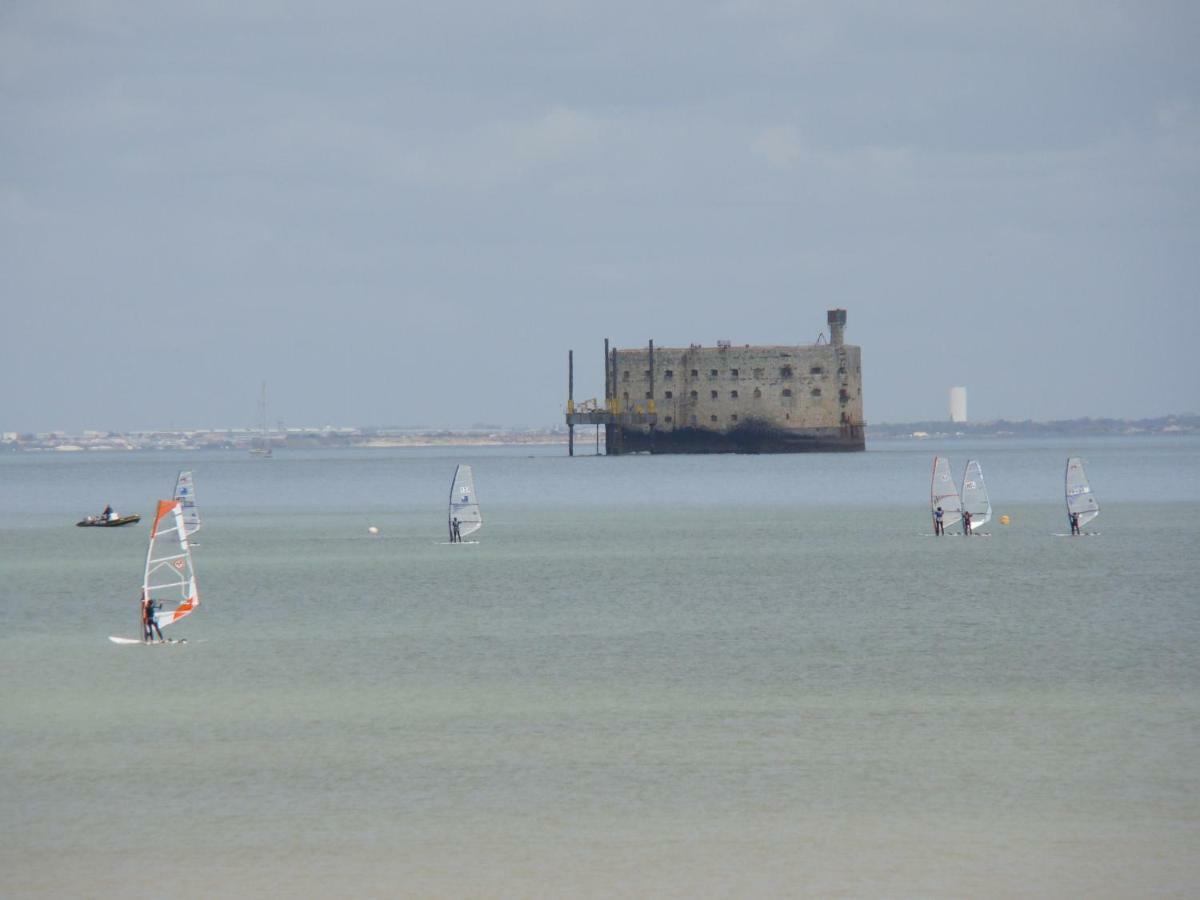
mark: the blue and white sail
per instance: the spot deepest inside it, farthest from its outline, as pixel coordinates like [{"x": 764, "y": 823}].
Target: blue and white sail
[
  {"x": 1080, "y": 498},
  {"x": 943, "y": 492},
  {"x": 464, "y": 504},
  {"x": 185, "y": 493},
  {"x": 975, "y": 498}
]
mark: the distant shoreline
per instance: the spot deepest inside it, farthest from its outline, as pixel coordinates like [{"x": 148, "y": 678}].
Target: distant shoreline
[
  {"x": 385, "y": 439},
  {"x": 1003, "y": 428}
]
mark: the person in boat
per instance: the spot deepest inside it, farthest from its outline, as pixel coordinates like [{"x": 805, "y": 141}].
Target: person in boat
[
  {"x": 149, "y": 625},
  {"x": 1074, "y": 523},
  {"x": 108, "y": 515},
  {"x": 966, "y": 517},
  {"x": 937, "y": 521}
]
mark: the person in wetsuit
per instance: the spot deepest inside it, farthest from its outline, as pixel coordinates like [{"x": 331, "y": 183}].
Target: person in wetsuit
[
  {"x": 1075, "y": 523},
  {"x": 937, "y": 521},
  {"x": 149, "y": 626},
  {"x": 966, "y": 517},
  {"x": 457, "y": 535}
]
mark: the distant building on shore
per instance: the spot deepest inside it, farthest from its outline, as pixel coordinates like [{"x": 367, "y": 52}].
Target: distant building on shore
[
  {"x": 958, "y": 404},
  {"x": 727, "y": 399}
]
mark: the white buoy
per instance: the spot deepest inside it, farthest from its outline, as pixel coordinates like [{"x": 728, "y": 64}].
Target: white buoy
[{"x": 373, "y": 530}]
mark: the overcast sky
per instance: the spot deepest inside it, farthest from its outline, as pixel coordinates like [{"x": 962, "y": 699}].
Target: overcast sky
[{"x": 406, "y": 214}]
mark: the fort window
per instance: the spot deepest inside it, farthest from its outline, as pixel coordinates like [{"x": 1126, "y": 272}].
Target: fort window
[
  {"x": 785, "y": 372},
  {"x": 714, "y": 394},
  {"x": 733, "y": 373},
  {"x": 733, "y": 395},
  {"x": 695, "y": 395},
  {"x": 841, "y": 370},
  {"x": 757, "y": 393},
  {"x": 712, "y": 418},
  {"x": 787, "y": 392},
  {"x": 733, "y": 418},
  {"x": 668, "y": 394},
  {"x": 693, "y": 420},
  {"x": 816, "y": 370},
  {"x": 668, "y": 419},
  {"x": 649, "y": 395},
  {"x": 626, "y": 396},
  {"x": 758, "y": 374},
  {"x": 695, "y": 373},
  {"x": 625, "y": 375},
  {"x": 668, "y": 375},
  {"x": 712, "y": 373},
  {"x": 646, "y": 374},
  {"x": 815, "y": 392}
]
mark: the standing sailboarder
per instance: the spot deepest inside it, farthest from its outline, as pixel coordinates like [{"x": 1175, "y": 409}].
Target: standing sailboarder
[
  {"x": 149, "y": 625},
  {"x": 1081, "y": 502},
  {"x": 943, "y": 496},
  {"x": 168, "y": 582},
  {"x": 463, "y": 516}
]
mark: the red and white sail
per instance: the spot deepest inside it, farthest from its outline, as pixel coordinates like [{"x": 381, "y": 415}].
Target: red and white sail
[{"x": 170, "y": 578}]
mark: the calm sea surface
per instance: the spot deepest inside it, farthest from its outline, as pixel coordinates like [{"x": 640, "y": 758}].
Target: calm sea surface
[{"x": 653, "y": 676}]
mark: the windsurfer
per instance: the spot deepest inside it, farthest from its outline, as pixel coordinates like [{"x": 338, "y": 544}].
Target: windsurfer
[
  {"x": 149, "y": 625},
  {"x": 455, "y": 533},
  {"x": 937, "y": 521},
  {"x": 1074, "y": 523},
  {"x": 966, "y": 517}
]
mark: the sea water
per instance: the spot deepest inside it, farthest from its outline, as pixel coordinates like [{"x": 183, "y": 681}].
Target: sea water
[{"x": 654, "y": 676}]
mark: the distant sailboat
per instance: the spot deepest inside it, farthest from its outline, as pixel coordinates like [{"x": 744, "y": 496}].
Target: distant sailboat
[
  {"x": 943, "y": 493},
  {"x": 168, "y": 579},
  {"x": 185, "y": 494},
  {"x": 975, "y": 498},
  {"x": 1080, "y": 499},
  {"x": 260, "y": 445},
  {"x": 464, "y": 504}
]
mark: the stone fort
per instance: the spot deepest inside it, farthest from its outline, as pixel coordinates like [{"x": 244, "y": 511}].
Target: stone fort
[{"x": 727, "y": 399}]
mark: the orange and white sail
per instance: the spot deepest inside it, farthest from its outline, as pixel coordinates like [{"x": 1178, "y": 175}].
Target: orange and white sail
[{"x": 170, "y": 579}]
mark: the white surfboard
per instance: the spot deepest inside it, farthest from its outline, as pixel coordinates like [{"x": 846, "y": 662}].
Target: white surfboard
[{"x": 125, "y": 640}]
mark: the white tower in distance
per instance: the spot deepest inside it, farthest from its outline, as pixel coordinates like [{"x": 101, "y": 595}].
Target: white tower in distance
[{"x": 958, "y": 404}]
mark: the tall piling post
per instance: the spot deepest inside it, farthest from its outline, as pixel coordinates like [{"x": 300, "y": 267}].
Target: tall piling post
[
  {"x": 608, "y": 395},
  {"x": 570, "y": 402},
  {"x": 608, "y": 386},
  {"x": 615, "y": 435},
  {"x": 650, "y": 404}
]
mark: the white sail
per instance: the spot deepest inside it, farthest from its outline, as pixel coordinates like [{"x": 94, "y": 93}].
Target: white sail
[
  {"x": 944, "y": 493},
  {"x": 260, "y": 444},
  {"x": 464, "y": 505},
  {"x": 169, "y": 578},
  {"x": 185, "y": 493},
  {"x": 975, "y": 498},
  {"x": 1080, "y": 498}
]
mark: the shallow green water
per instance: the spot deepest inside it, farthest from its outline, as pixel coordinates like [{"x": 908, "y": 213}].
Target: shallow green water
[{"x": 651, "y": 676}]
